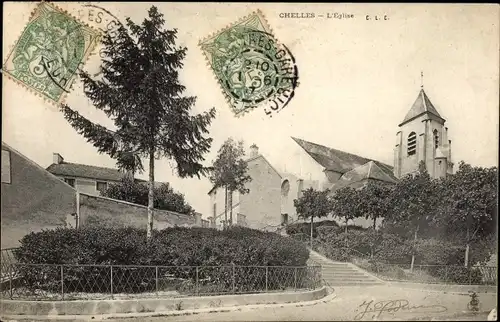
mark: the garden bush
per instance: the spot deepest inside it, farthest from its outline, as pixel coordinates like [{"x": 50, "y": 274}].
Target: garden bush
[
  {"x": 438, "y": 252},
  {"x": 305, "y": 227},
  {"x": 389, "y": 271},
  {"x": 178, "y": 248},
  {"x": 457, "y": 274},
  {"x": 363, "y": 243}
]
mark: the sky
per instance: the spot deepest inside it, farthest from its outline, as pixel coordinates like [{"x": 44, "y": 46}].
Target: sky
[{"x": 358, "y": 79}]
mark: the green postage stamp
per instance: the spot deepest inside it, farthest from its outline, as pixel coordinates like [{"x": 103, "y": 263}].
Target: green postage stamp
[
  {"x": 252, "y": 68},
  {"x": 51, "y": 50}
]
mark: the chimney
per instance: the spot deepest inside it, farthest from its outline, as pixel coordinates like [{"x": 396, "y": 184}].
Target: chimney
[
  {"x": 254, "y": 150},
  {"x": 57, "y": 158}
]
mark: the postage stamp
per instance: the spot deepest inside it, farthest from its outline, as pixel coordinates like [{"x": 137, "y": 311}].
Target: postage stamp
[
  {"x": 50, "y": 51},
  {"x": 252, "y": 68}
]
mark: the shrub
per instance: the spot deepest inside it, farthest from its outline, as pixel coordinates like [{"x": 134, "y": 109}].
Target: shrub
[
  {"x": 393, "y": 249},
  {"x": 178, "y": 248},
  {"x": 438, "y": 252},
  {"x": 364, "y": 243},
  {"x": 388, "y": 271},
  {"x": 457, "y": 274},
  {"x": 305, "y": 227}
]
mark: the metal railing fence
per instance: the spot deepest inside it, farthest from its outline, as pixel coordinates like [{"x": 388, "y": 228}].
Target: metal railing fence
[
  {"x": 421, "y": 273},
  {"x": 6, "y": 259},
  {"x": 436, "y": 274},
  {"x": 67, "y": 282}
]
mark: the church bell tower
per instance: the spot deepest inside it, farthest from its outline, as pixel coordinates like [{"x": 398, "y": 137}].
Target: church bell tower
[{"x": 422, "y": 136}]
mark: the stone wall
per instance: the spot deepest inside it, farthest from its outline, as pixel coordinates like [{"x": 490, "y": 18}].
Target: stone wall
[{"x": 95, "y": 210}]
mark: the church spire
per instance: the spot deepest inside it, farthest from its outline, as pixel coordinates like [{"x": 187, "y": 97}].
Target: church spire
[
  {"x": 421, "y": 79},
  {"x": 421, "y": 106}
]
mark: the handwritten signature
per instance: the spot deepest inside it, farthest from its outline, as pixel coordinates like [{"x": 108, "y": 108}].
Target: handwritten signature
[{"x": 393, "y": 306}]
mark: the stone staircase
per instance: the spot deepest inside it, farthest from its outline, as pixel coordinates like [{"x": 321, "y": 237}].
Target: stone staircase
[{"x": 342, "y": 273}]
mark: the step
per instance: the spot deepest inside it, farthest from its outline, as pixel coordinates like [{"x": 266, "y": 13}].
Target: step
[
  {"x": 353, "y": 274},
  {"x": 337, "y": 266},
  {"x": 354, "y": 284},
  {"x": 349, "y": 279},
  {"x": 339, "y": 270},
  {"x": 339, "y": 283}
]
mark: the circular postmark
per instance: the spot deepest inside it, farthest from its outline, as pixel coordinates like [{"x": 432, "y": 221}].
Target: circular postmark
[{"x": 253, "y": 69}]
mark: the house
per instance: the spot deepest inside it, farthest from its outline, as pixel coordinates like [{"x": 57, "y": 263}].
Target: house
[
  {"x": 32, "y": 198},
  {"x": 269, "y": 203},
  {"x": 422, "y": 136},
  {"x": 84, "y": 178}
]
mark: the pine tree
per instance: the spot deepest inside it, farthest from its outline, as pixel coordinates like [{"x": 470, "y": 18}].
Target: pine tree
[{"x": 140, "y": 91}]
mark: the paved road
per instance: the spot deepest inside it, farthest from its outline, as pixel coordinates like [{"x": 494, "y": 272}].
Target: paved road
[{"x": 360, "y": 303}]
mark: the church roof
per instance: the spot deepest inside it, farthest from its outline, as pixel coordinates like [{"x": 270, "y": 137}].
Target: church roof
[
  {"x": 421, "y": 105},
  {"x": 369, "y": 170},
  {"x": 340, "y": 161}
]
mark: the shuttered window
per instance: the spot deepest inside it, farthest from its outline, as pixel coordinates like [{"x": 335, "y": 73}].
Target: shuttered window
[{"x": 412, "y": 143}]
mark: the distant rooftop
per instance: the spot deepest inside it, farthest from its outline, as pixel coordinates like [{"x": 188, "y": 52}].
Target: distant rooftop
[{"x": 85, "y": 171}]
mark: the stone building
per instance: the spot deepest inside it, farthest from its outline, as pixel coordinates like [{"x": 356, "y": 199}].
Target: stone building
[
  {"x": 422, "y": 136},
  {"x": 269, "y": 202}
]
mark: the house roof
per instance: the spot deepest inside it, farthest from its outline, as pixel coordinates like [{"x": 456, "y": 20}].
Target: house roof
[
  {"x": 85, "y": 171},
  {"x": 340, "y": 161},
  {"x": 421, "y": 105}
]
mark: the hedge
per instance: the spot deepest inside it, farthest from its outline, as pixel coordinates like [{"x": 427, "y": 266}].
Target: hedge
[
  {"x": 305, "y": 227},
  {"x": 175, "y": 247}
]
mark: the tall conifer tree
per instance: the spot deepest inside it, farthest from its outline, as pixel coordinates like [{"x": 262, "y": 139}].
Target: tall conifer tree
[{"x": 139, "y": 90}]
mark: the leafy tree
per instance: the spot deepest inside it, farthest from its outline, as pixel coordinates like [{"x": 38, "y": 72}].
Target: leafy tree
[
  {"x": 469, "y": 208},
  {"x": 140, "y": 91},
  {"x": 345, "y": 204},
  {"x": 229, "y": 171},
  {"x": 414, "y": 200},
  {"x": 313, "y": 203},
  {"x": 374, "y": 201},
  {"x": 165, "y": 198}
]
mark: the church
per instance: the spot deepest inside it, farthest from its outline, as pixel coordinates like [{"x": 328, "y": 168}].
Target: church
[{"x": 422, "y": 136}]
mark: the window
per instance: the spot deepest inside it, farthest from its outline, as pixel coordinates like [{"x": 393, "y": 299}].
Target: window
[
  {"x": 285, "y": 188},
  {"x": 436, "y": 139},
  {"x": 215, "y": 210},
  {"x": 101, "y": 186},
  {"x": 71, "y": 182},
  {"x": 6, "y": 175},
  {"x": 412, "y": 143}
]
